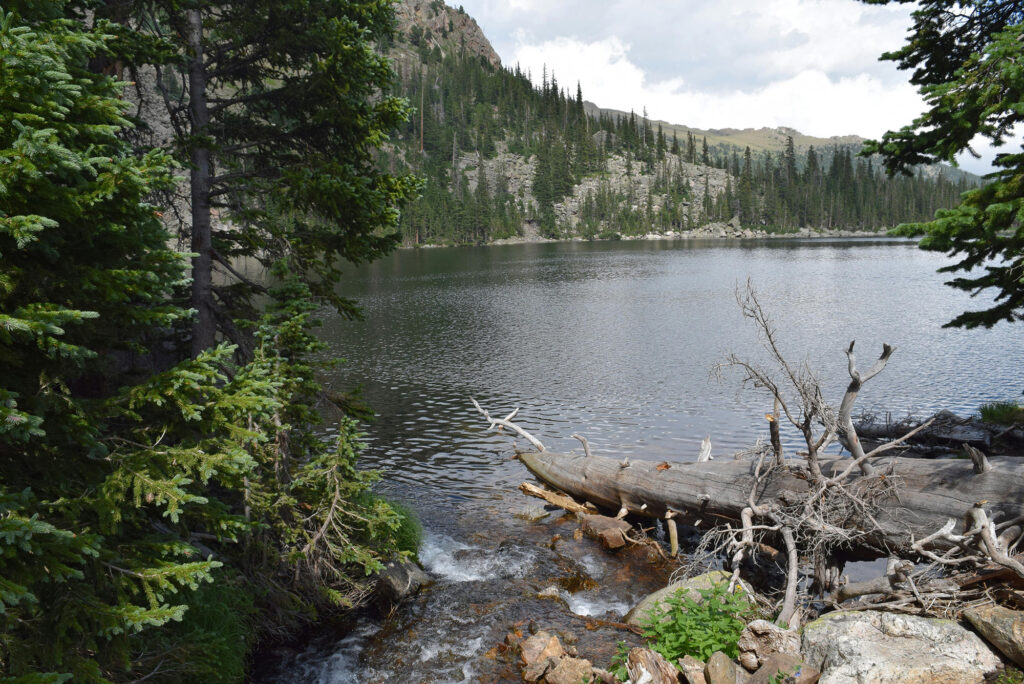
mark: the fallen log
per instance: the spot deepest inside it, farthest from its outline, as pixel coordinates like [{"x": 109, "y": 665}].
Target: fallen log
[{"x": 925, "y": 496}]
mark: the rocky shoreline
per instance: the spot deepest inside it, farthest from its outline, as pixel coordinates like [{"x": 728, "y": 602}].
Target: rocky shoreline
[{"x": 713, "y": 231}]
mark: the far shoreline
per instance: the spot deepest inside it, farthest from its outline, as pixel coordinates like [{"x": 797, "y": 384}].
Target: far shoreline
[{"x": 711, "y": 232}]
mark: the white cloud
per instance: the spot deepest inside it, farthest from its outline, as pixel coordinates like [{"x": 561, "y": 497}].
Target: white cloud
[{"x": 808, "y": 99}]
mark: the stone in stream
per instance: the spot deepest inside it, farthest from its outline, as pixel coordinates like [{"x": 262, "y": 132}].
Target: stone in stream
[
  {"x": 401, "y": 578},
  {"x": 692, "y": 586},
  {"x": 570, "y": 671},
  {"x": 762, "y": 639},
  {"x": 887, "y": 648},
  {"x": 1002, "y": 627}
]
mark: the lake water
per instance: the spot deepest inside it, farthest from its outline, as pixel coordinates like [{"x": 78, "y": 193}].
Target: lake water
[{"x": 615, "y": 340}]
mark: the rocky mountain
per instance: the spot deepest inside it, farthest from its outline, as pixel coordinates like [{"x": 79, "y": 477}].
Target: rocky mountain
[{"x": 503, "y": 158}]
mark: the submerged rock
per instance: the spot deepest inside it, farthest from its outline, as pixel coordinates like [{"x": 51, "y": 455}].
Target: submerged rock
[{"x": 887, "y": 648}]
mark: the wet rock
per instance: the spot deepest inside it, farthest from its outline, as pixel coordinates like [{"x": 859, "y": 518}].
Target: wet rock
[
  {"x": 721, "y": 670},
  {"x": 692, "y": 586},
  {"x": 645, "y": 665},
  {"x": 570, "y": 671},
  {"x": 886, "y": 648},
  {"x": 785, "y": 669},
  {"x": 541, "y": 646},
  {"x": 535, "y": 671},
  {"x": 609, "y": 531},
  {"x": 692, "y": 669},
  {"x": 1002, "y": 627},
  {"x": 762, "y": 639},
  {"x": 401, "y": 578},
  {"x": 550, "y": 592}
]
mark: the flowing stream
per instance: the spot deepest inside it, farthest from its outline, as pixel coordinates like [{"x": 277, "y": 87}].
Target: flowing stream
[{"x": 614, "y": 340}]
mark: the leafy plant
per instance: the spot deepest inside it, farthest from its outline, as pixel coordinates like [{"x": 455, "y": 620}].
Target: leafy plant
[
  {"x": 617, "y": 666},
  {"x": 698, "y": 628}
]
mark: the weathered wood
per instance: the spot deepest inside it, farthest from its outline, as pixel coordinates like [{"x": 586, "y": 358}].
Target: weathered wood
[
  {"x": 609, "y": 531},
  {"x": 929, "y": 492},
  {"x": 555, "y": 499}
]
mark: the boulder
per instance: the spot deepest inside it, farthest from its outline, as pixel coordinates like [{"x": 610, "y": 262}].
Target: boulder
[
  {"x": 400, "y": 579},
  {"x": 692, "y": 587},
  {"x": 692, "y": 669},
  {"x": 1002, "y": 627},
  {"x": 570, "y": 671},
  {"x": 762, "y": 639},
  {"x": 886, "y": 648},
  {"x": 645, "y": 665},
  {"x": 786, "y": 669},
  {"x": 720, "y": 669},
  {"x": 541, "y": 646}
]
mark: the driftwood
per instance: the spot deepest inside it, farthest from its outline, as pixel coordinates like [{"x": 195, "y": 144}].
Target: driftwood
[
  {"x": 555, "y": 499},
  {"x": 930, "y": 492}
]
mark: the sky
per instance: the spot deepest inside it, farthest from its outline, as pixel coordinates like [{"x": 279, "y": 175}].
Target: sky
[{"x": 812, "y": 65}]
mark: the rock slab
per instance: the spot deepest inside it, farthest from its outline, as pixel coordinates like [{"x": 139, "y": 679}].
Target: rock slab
[
  {"x": 1004, "y": 629},
  {"x": 886, "y": 648}
]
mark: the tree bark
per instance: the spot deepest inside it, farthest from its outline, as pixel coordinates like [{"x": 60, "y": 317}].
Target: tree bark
[
  {"x": 928, "y": 492},
  {"x": 204, "y": 329}
]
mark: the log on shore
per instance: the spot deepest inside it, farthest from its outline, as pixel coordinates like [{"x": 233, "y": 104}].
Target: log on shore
[{"x": 929, "y": 491}]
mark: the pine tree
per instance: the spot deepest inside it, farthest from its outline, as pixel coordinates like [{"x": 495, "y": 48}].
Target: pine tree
[
  {"x": 965, "y": 58},
  {"x": 280, "y": 113}
]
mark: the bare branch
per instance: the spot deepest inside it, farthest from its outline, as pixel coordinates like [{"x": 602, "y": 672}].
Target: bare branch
[{"x": 498, "y": 423}]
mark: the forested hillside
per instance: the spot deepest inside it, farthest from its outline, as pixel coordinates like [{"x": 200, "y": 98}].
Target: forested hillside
[{"x": 502, "y": 157}]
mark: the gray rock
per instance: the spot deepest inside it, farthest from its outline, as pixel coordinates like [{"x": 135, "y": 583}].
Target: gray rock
[
  {"x": 692, "y": 585},
  {"x": 401, "y": 578},
  {"x": 1002, "y": 627},
  {"x": 886, "y": 648},
  {"x": 762, "y": 639}
]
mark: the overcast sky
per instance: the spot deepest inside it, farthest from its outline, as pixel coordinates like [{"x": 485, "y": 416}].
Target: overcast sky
[{"x": 811, "y": 65}]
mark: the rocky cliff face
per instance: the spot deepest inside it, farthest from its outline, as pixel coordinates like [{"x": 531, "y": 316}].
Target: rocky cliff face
[{"x": 432, "y": 23}]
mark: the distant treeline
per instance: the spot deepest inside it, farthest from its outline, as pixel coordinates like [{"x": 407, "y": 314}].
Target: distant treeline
[{"x": 470, "y": 113}]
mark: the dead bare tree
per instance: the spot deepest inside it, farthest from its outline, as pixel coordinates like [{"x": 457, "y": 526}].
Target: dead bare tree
[{"x": 815, "y": 509}]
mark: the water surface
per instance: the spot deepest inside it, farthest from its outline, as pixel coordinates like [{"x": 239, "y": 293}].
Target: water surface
[{"x": 615, "y": 341}]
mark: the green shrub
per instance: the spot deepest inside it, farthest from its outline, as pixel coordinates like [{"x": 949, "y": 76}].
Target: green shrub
[
  {"x": 1003, "y": 413},
  {"x": 409, "y": 534},
  {"x": 698, "y": 629}
]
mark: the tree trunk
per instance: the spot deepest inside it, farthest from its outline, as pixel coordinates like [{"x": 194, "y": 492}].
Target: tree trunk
[
  {"x": 928, "y": 494},
  {"x": 204, "y": 329}
]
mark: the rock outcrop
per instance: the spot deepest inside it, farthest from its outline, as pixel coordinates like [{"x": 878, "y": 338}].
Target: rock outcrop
[{"x": 887, "y": 648}]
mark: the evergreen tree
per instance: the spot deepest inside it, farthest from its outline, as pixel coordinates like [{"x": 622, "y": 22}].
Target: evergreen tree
[
  {"x": 279, "y": 109},
  {"x": 964, "y": 58}
]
